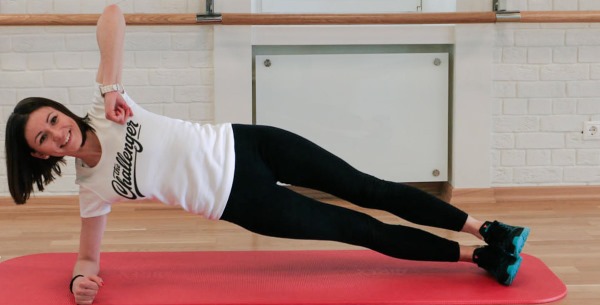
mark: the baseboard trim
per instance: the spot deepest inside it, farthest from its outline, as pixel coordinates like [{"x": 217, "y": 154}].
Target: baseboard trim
[
  {"x": 56, "y": 200},
  {"x": 51, "y": 199},
  {"x": 446, "y": 191},
  {"x": 521, "y": 193},
  {"x": 467, "y": 195},
  {"x": 547, "y": 193}
]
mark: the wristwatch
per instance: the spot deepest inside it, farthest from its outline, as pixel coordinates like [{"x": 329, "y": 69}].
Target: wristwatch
[{"x": 110, "y": 88}]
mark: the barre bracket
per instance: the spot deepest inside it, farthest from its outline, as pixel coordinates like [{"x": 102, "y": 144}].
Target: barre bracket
[
  {"x": 508, "y": 16},
  {"x": 210, "y": 16}
]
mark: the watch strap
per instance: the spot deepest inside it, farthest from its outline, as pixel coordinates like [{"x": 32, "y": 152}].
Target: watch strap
[{"x": 104, "y": 89}]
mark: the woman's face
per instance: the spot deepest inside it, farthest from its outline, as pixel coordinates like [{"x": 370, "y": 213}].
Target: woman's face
[{"x": 50, "y": 132}]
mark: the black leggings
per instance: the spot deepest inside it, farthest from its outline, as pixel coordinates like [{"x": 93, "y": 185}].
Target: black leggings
[{"x": 266, "y": 155}]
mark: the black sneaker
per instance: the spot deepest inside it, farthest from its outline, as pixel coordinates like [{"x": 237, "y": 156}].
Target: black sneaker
[
  {"x": 503, "y": 266},
  {"x": 511, "y": 239}
]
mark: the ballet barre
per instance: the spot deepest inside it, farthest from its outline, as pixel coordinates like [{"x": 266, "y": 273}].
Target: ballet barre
[{"x": 309, "y": 19}]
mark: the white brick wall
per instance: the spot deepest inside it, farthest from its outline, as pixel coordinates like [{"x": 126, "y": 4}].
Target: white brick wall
[
  {"x": 546, "y": 80},
  {"x": 167, "y": 69}
]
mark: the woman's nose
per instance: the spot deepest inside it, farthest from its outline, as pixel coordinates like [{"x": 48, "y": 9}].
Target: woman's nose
[{"x": 54, "y": 134}]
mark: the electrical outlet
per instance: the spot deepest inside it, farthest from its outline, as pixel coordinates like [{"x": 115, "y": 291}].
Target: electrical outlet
[{"x": 591, "y": 130}]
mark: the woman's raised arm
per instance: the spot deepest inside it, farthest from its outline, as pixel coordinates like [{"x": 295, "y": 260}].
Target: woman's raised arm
[{"x": 110, "y": 33}]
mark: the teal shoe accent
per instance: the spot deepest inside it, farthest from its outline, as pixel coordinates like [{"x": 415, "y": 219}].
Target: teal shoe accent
[
  {"x": 519, "y": 241},
  {"x": 512, "y": 271}
]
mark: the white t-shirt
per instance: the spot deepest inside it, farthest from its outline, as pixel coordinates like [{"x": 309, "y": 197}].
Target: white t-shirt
[{"x": 155, "y": 157}]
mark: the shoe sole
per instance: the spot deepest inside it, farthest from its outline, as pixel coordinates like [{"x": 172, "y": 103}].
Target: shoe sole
[
  {"x": 512, "y": 271},
  {"x": 518, "y": 241}
]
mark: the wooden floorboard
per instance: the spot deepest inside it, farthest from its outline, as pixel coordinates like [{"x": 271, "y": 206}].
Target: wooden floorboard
[{"x": 565, "y": 234}]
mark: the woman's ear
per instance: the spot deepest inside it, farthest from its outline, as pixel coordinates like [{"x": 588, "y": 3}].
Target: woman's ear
[{"x": 39, "y": 155}]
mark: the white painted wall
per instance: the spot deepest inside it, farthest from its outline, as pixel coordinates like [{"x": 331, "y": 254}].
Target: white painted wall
[
  {"x": 543, "y": 82},
  {"x": 472, "y": 69}
]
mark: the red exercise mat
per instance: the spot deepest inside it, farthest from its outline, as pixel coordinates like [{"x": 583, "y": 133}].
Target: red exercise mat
[{"x": 273, "y": 277}]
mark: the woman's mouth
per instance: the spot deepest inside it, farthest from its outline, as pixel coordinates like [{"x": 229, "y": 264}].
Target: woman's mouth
[{"x": 67, "y": 138}]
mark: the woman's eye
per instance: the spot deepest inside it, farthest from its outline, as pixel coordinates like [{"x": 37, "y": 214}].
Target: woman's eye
[
  {"x": 53, "y": 120},
  {"x": 42, "y": 139}
]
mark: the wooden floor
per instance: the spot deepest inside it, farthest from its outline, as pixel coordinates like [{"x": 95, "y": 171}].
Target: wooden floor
[{"x": 565, "y": 235}]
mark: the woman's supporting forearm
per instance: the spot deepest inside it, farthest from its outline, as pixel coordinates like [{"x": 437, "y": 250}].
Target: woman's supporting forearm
[
  {"x": 86, "y": 282},
  {"x": 92, "y": 230}
]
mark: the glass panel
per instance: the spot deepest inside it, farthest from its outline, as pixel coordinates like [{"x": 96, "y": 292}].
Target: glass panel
[
  {"x": 338, "y": 6},
  {"x": 385, "y": 113},
  {"x": 352, "y": 6}
]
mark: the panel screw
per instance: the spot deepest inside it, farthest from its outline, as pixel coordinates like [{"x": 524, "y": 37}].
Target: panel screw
[
  {"x": 267, "y": 62},
  {"x": 435, "y": 173},
  {"x": 437, "y": 62}
]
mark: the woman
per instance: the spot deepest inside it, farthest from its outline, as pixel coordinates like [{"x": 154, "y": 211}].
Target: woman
[{"x": 227, "y": 172}]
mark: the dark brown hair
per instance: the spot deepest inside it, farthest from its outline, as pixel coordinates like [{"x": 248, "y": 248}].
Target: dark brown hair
[{"x": 24, "y": 170}]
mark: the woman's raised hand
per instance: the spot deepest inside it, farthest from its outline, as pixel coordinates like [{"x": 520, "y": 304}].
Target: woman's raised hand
[{"x": 116, "y": 108}]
